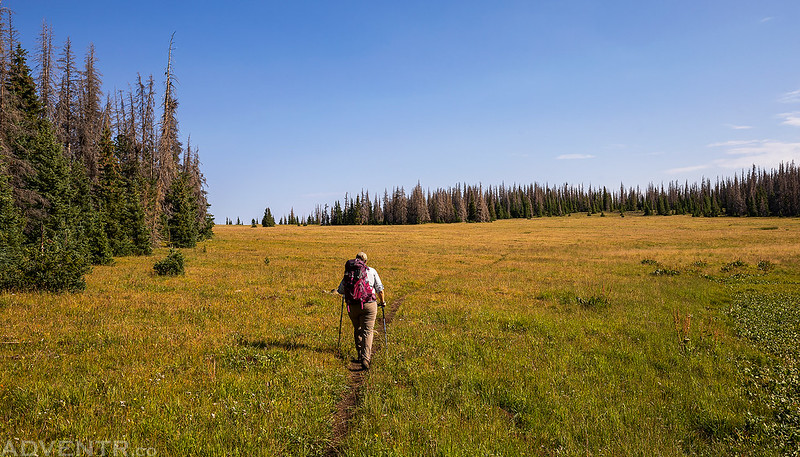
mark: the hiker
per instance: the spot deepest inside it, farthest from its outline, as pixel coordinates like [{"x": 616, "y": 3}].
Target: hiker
[{"x": 363, "y": 292}]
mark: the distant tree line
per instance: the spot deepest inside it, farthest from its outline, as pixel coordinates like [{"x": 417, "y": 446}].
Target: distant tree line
[
  {"x": 755, "y": 192},
  {"x": 85, "y": 177}
]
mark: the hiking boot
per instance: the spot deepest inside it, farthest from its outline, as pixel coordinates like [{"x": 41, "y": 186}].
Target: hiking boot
[
  {"x": 365, "y": 364},
  {"x": 356, "y": 360}
]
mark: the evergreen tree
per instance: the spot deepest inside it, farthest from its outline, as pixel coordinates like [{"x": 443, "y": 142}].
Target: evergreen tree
[
  {"x": 715, "y": 210},
  {"x": 472, "y": 211},
  {"x": 133, "y": 221},
  {"x": 56, "y": 254},
  {"x": 11, "y": 238},
  {"x": 338, "y": 215},
  {"x": 94, "y": 242},
  {"x": 196, "y": 182},
  {"x": 400, "y": 207},
  {"x": 662, "y": 206},
  {"x": 267, "y": 220},
  {"x": 181, "y": 222},
  {"x": 133, "y": 217},
  {"x": 377, "y": 213},
  {"x": 109, "y": 197}
]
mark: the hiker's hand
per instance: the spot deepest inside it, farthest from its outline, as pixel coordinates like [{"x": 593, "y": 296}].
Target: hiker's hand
[{"x": 382, "y": 304}]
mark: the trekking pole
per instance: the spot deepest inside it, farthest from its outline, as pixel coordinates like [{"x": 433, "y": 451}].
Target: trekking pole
[
  {"x": 341, "y": 315},
  {"x": 385, "y": 336}
]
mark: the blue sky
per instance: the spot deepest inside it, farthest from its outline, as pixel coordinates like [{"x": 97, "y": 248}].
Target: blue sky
[{"x": 294, "y": 103}]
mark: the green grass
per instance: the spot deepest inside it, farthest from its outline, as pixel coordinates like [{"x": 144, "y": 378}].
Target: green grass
[{"x": 540, "y": 337}]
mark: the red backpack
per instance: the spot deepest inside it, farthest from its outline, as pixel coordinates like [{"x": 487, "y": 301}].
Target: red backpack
[{"x": 356, "y": 287}]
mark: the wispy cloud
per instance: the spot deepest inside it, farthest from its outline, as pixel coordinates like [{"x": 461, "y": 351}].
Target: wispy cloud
[
  {"x": 727, "y": 144},
  {"x": 790, "y": 97},
  {"x": 616, "y": 146},
  {"x": 792, "y": 118},
  {"x": 766, "y": 19},
  {"x": 574, "y": 156},
  {"x": 681, "y": 170},
  {"x": 738, "y": 127},
  {"x": 764, "y": 153},
  {"x": 744, "y": 154}
]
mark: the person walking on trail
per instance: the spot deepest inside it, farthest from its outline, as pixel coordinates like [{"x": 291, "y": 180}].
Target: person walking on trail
[{"x": 363, "y": 293}]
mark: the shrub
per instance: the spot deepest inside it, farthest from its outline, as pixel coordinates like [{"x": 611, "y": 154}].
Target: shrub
[
  {"x": 665, "y": 272},
  {"x": 595, "y": 301},
  {"x": 765, "y": 265},
  {"x": 266, "y": 260},
  {"x": 172, "y": 265},
  {"x": 735, "y": 264}
]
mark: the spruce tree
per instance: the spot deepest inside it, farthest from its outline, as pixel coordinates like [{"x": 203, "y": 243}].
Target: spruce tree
[
  {"x": 11, "y": 237},
  {"x": 94, "y": 243},
  {"x": 133, "y": 184},
  {"x": 268, "y": 220},
  {"x": 181, "y": 222},
  {"x": 472, "y": 212},
  {"x": 338, "y": 215},
  {"x": 133, "y": 221},
  {"x": 109, "y": 197},
  {"x": 55, "y": 234}
]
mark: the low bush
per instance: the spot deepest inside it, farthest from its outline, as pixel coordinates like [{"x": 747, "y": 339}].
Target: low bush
[
  {"x": 765, "y": 265},
  {"x": 595, "y": 301},
  {"x": 735, "y": 264},
  {"x": 172, "y": 265}
]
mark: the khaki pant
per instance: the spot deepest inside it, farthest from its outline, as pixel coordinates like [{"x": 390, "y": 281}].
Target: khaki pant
[{"x": 363, "y": 325}]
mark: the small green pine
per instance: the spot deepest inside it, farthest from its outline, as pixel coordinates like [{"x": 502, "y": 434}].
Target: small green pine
[{"x": 172, "y": 265}]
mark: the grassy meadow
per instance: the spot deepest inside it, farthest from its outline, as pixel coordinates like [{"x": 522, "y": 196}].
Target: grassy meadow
[{"x": 557, "y": 336}]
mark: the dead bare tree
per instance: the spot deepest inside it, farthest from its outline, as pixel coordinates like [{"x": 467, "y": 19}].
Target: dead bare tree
[
  {"x": 66, "y": 106},
  {"x": 44, "y": 60},
  {"x": 90, "y": 115},
  {"x": 169, "y": 147},
  {"x": 7, "y": 40}
]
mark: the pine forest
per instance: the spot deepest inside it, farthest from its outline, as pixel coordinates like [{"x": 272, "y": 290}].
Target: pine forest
[
  {"x": 756, "y": 193},
  {"x": 85, "y": 175}
]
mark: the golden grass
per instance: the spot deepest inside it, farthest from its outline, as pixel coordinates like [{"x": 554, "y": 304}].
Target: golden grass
[{"x": 490, "y": 353}]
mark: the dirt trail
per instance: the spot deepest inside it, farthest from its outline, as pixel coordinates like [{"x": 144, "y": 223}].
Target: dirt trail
[{"x": 351, "y": 399}]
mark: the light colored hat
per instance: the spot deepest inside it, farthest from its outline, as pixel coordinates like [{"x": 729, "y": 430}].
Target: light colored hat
[{"x": 361, "y": 255}]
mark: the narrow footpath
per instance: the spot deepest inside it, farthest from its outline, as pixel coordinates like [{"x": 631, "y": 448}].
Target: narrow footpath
[{"x": 352, "y": 398}]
